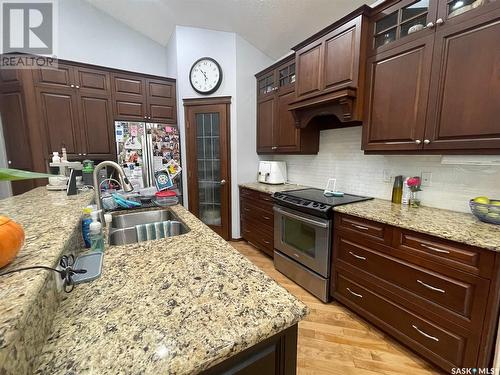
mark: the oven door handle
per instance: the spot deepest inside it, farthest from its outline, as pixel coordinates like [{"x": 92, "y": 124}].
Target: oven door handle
[{"x": 300, "y": 218}]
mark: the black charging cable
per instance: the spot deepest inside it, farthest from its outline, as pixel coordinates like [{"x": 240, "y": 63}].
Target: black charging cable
[{"x": 66, "y": 263}]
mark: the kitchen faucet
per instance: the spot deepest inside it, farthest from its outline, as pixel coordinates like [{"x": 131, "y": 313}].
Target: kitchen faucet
[{"x": 124, "y": 182}]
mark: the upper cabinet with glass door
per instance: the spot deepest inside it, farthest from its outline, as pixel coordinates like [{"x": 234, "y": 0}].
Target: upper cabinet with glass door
[{"x": 402, "y": 22}]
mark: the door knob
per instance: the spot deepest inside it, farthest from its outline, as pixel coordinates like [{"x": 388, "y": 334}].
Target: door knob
[
  {"x": 426, "y": 141},
  {"x": 439, "y": 21},
  {"x": 222, "y": 182},
  {"x": 418, "y": 141}
]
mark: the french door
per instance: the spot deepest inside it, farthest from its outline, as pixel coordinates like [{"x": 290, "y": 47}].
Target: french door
[{"x": 208, "y": 161}]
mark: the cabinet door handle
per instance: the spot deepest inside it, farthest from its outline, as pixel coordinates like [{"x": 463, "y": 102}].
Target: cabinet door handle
[
  {"x": 354, "y": 294},
  {"x": 274, "y": 148},
  {"x": 418, "y": 141},
  {"x": 71, "y": 85},
  {"x": 439, "y": 21},
  {"x": 430, "y": 25},
  {"x": 357, "y": 256},
  {"x": 247, "y": 209},
  {"x": 427, "y": 141},
  {"x": 266, "y": 242},
  {"x": 266, "y": 217},
  {"x": 430, "y": 287},
  {"x": 145, "y": 117},
  {"x": 77, "y": 86},
  {"x": 434, "y": 249},
  {"x": 360, "y": 227},
  {"x": 425, "y": 334}
]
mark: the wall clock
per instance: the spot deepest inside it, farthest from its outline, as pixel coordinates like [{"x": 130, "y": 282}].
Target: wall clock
[{"x": 205, "y": 76}]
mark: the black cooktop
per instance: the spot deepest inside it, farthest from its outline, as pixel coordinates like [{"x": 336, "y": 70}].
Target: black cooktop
[{"x": 313, "y": 201}]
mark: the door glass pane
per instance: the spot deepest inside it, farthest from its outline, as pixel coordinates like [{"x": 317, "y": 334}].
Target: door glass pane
[
  {"x": 300, "y": 236},
  {"x": 208, "y": 161},
  {"x": 457, "y": 7},
  {"x": 385, "y": 38},
  {"x": 413, "y": 25},
  {"x": 386, "y": 23},
  {"x": 416, "y": 9}
]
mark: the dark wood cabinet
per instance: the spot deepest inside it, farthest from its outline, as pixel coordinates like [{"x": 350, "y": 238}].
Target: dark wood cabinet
[
  {"x": 330, "y": 72},
  {"x": 464, "y": 107},
  {"x": 431, "y": 77},
  {"x": 438, "y": 297},
  {"x": 396, "y": 97},
  {"x": 74, "y": 106},
  {"x": 58, "y": 108},
  {"x": 276, "y": 127},
  {"x": 257, "y": 219},
  {"x": 129, "y": 97},
  {"x": 161, "y": 101}
]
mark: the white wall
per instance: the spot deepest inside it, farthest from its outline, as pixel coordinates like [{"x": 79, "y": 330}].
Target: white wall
[
  {"x": 249, "y": 60},
  {"x": 88, "y": 35},
  {"x": 340, "y": 157},
  {"x": 239, "y": 61}
]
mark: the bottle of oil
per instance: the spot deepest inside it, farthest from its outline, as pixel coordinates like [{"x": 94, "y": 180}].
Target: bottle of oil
[{"x": 397, "y": 190}]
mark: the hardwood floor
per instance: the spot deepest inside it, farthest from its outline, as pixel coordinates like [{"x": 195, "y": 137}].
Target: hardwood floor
[{"x": 334, "y": 340}]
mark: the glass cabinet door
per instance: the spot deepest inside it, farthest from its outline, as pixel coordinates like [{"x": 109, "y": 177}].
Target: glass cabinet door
[
  {"x": 455, "y": 8},
  {"x": 266, "y": 84},
  {"x": 409, "y": 18},
  {"x": 286, "y": 75}
]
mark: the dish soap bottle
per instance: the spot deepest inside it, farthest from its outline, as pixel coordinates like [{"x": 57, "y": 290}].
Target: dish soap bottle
[
  {"x": 86, "y": 220},
  {"x": 96, "y": 236},
  {"x": 397, "y": 190}
]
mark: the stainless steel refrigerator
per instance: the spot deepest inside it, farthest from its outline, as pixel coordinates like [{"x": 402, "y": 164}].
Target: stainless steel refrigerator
[{"x": 143, "y": 148}]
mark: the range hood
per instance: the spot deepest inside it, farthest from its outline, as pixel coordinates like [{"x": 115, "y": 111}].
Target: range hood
[{"x": 332, "y": 110}]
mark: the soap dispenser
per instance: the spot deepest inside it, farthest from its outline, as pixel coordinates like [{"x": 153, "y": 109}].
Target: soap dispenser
[{"x": 96, "y": 236}]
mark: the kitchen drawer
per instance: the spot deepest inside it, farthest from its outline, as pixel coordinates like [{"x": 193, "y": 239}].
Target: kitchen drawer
[
  {"x": 473, "y": 260},
  {"x": 466, "y": 296},
  {"x": 368, "y": 229},
  {"x": 253, "y": 233},
  {"x": 265, "y": 217},
  {"x": 441, "y": 344},
  {"x": 257, "y": 198}
]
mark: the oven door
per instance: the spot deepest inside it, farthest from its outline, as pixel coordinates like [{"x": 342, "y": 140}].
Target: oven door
[{"x": 304, "y": 238}]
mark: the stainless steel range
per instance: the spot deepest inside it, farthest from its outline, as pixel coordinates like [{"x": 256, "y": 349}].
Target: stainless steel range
[{"x": 303, "y": 236}]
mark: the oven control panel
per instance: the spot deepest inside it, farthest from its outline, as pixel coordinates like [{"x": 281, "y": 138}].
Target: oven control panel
[{"x": 302, "y": 203}]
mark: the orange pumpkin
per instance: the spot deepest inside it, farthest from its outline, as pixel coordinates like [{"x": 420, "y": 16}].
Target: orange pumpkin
[{"x": 11, "y": 240}]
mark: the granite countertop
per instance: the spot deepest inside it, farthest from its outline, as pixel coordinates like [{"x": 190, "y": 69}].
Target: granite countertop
[
  {"x": 173, "y": 306},
  {"x": 49, "y": 220},
  {"x": 456, "y": 226},
  {"x": 270, "y": 189}
]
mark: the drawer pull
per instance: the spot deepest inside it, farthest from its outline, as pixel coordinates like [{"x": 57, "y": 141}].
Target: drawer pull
[
  {"x": 246, "y": 209},
  {"x": 360, "y": 227},
  {"x": 266, "y": 217},
  {"x": 357, "y": 256},
  {"x": 354, "y": 294},
  {"x": 425, "y": 334},
  {"x": 434, "y": 249},
  {"x": 266, "y": 242},
  {"x": 430, "y": 287}
]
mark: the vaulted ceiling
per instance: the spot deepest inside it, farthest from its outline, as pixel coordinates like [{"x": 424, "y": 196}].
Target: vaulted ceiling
[{"x": 273, "y": 26}]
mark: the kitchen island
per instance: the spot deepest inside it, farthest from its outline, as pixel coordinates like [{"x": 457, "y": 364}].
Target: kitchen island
[{"x": 179, "y": 305}]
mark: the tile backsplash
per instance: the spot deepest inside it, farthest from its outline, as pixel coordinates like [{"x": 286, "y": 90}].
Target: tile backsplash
[{"x": 340, "y": 156}]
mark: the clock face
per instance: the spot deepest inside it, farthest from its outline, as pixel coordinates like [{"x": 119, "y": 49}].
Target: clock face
[{"x": 205, "y": 76}]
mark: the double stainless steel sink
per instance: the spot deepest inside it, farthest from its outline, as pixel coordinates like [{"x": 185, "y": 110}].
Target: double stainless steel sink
[{"x": 123, "y": 231}]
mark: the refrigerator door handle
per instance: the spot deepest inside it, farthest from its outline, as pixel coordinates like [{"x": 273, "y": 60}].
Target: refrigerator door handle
[
  {"x": 150, "y": 166},
  {"x": 145, "y": 157}
]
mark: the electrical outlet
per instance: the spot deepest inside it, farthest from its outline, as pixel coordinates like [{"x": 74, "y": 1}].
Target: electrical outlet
[
  {"x": 387, "y": 175},
  {"x": 426, "y": 178}
]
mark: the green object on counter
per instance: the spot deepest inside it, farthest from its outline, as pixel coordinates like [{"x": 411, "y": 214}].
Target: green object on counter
[
  {"x": 397, "y": 190},
  {"x": 8, "y": 174}
]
